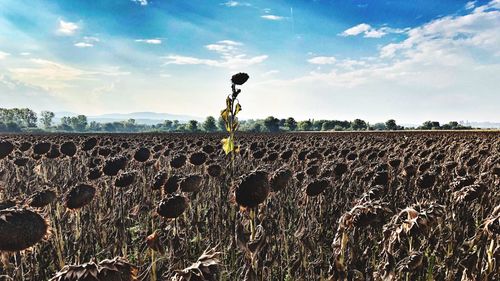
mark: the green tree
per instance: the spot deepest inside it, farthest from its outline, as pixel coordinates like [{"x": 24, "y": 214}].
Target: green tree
[
  {"x": 13, "y": 127},
  {"x": 380, "y": 126},
  {"x": 391, "y": 125},
  {"x": 192, "y": 126},
  {"x": 28, "y": 117},
  {"x": 359, "y": 124},
  {"x": 256, "y": 127},
  {"x": 282, "y": 122},
  {"x": 317, "y": 125},
  {"x": 175, "y": 125},
  {"x": 130, "y": 125},
  {"x": 272, "y": 124},
  {"x": 454, "y": 125},
  {"x": 209, "y": 125},
  {"x": 46, "y": 118},
  {"x": 109, "y": 127},
  {"x": 65, "y": 123},
  {"x": 328, "y": 125},
  {"x": 168, "y": 124},
  {"x": 430, "y": 125},
  {"x": 94, "y": 126},
  {"x": 221, "y": 124},
  {"x": 305, "y": 125},
  {"x": 291, "y": 124},
  {"x": 23, "y": 117},
  {"x": 79, "y": 123}
]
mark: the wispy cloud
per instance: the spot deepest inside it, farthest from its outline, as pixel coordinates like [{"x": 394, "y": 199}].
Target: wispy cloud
[
  {"x": 470, "y": 5},
  {"x": 454, "y": 40},
  {"x": 272, "y": 17},
  {"x": 455, "y": 34},
  {"x": 322, "y": 60},
  {"x": 154, "y": 41},
  {"x": 356, "y": 30},
  {"x": 83, "y": 45},
  {"x": 224, "y": 47},
  {"x": 141, "y": 2},
  {"x": 270, "y": 73},
  {"x": 236, "y": 4},
  {"x": 67, "y": 28},
  {"x": 3, "y": 55},
  {"x": 88, "y": 42},
  {"x": 91, "y": 39},
  {"x": 370, "y": 32},
  {"x": 230, "y": 57},
  {"x": 52, "y": 75}
]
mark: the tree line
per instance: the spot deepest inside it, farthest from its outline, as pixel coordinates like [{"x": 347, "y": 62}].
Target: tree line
[{"x": 26, "y": 120}]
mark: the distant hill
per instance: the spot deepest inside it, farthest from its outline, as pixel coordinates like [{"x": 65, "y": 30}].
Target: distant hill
[
  {"x": 148, "y": 118},
  {"x": 482, "y": 125},
  {"x": 473, "y": 124}
]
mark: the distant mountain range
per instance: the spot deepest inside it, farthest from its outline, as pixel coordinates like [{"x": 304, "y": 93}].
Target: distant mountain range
[{"x": 148, "y": 118}]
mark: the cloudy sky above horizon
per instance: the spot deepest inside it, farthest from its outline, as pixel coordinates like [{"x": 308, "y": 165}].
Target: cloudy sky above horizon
[{"x": 408, "y": 60}]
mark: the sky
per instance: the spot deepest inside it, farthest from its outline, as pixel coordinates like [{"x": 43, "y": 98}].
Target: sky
[{"x": 408, "y": 60}]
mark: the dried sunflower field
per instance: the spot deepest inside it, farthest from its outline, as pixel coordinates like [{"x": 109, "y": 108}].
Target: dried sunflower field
[{"x": 298, "y": 206}]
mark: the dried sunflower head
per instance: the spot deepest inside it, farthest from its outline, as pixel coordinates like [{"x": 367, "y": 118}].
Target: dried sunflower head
[
  {"x": 117, "y": 269},
  {"x": 364, "y": 214},
  {"x": 21, "y": 229},
  {"x": 205, "y": 269},
  {"x": 252, "y": 189},
  {"x": 239, "y": 78}
]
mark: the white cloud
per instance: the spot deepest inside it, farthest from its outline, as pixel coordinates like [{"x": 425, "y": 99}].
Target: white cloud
[
  {"x": 183, "y": 60},
  {"x": 240, "y": 61},
  {"x": 470, "y": 5},
  {"x": 456, "y": 34},
  {"x": 270, "y": 73},
  {"x": 51, "y": 75},
  {"x": 3, "y": 55},
  {"x": 67, "y": 28},
  {"x": 272, "y": 17},
  {"x": 356, "y": 30},
  {"x": 322, "y": 60},
  {"x": 25, "y": 54},
  {"x": 141, "y": 2},
  {"x": 83, "y": 45},
  {"x": 374, "y": 33},
  {"x": 230, "y": 57},
  {"x": 91, "y": 39},
  {"x": 224, "y": 47},
  {"x": 230, "y": 42},
  {"x": 236, "y": 4},
  {"x": 445, "y": 69},
  {"x": 370, "y": 32},
  {"x": 154, "y": 41},
  {"x": 15, "y": 93}
]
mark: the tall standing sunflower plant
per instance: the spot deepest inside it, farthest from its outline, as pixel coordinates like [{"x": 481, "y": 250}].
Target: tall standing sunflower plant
[{"x": 229, "y": 113}]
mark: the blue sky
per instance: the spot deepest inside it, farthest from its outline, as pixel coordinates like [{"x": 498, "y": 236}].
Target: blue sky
[{"x": 408, "y": 60}]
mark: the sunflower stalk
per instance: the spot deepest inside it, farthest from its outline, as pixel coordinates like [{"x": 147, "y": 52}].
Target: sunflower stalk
[{"x": 229, "y": 113}]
